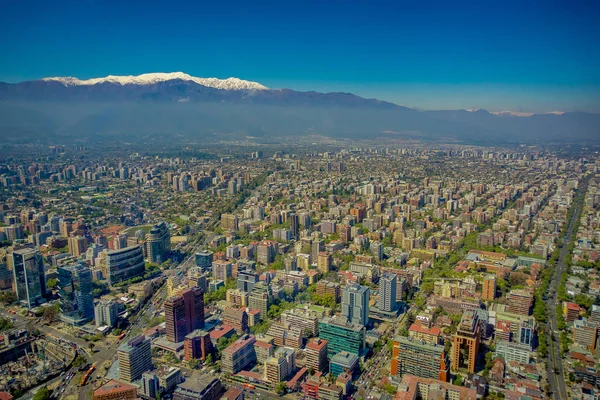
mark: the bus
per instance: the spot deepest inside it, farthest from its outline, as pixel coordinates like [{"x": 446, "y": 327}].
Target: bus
[{"x": 87, "y": 375}]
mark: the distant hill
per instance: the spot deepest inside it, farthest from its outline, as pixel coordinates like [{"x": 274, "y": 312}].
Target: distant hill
[{"x": 176, "y": 104}]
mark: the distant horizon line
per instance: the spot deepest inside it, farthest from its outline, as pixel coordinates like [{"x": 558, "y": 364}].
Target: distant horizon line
[{"x": 178, "y": 74}]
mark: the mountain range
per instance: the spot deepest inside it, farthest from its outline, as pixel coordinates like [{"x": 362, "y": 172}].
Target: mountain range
[{"x": 167, "y": 105}]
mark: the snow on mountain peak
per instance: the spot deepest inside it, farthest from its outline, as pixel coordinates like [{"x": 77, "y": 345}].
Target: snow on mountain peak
[{"x": 149, "y": 79}]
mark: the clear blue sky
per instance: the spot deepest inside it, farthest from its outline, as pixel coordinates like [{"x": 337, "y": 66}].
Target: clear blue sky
[{"x": 534, "y": 56}]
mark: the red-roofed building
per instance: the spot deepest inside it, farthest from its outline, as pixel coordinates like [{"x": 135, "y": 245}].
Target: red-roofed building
[
  {"x": 316, "y": 354},
  {"x": 5, "y": 396},
  {"x": 233, "y": 394},
  {"x": 570, "y": 311},
  {"x": 224, "y": 331},
  {"x": 115, "y": 390},
  {"x": 428, "y": 335}
]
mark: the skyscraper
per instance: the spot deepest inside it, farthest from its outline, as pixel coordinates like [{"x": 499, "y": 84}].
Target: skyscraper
[
  {"x": 387, "y": 292},
  {"x": 466, "y": 342},
  {"x": 489, "y": 288},
  {"x": 158, "y": 244},
  {"x": 294, "y": 225},
  {"x": 355, "y": 304},
  {"x": 75, "y": 292},
  {"x": 317, "y": 246},
  {"x": 124, "y": 264},
  {"x": 135, "y": 358},
  {"x": 184, "y": 314},
  {"x": 28, "y": 276}
]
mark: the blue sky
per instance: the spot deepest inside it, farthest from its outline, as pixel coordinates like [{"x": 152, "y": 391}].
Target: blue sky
[{"x": 530, "y": 56}]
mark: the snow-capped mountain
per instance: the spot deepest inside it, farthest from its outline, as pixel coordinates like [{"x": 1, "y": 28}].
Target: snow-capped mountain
[
  {"x": 152, "y": 78},
  {"x": 184, "y": 105}
]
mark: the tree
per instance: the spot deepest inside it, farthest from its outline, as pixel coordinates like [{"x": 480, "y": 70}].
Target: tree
[
  {"x": 458, "y": 381},
  {"x": 280, "y": 388},
  {"x": 50, "y": 313},
  {"x": 5, "y": 324},
  {"x": 194, "y": 363},
  {"x": 7, "y": 297},
  {"x": 79, "y": 361},
  {"x": 42, "y": 394},
  {"x": 51, "y": 283},
  {"x": 91, "y": 345}
]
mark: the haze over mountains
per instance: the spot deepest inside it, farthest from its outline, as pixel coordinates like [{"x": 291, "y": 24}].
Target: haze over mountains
[{"x": 163, "y": 106}]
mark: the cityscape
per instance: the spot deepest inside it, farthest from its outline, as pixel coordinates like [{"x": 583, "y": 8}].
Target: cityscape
[
  {"x": 364, "y": 272},
  {"x": 315, "y": 200}
]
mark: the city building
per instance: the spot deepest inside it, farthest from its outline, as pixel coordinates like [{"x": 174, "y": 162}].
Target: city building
[
  {"x": 260, "y": 298},
  {"x": 115, "y": 390},
  {"x": 355, "y": 304},
  {"x": 124, "y": 264},
  {"x": 387, "y": 292},
  {"x": 229, "y": 222},
  {"x": 413, "y": 387},
  {"x": 77, "y": 245},
  {"x": 306, "y": 320},
  {"x": 342, "y": 335},
  {"x": 316, "y": 354},
  {"x": 184, "y": 314},
  {"x": 106, "y": 313},
  {"x": 489, "y": 288},
  {"x": 415, "y": 357},
  {"x": 158, "y": 243},
  {"x": 135, "y": 358},
  {"x": 324, "y": 262},
  {"x": 199, "y": 387},
  {"x": 344, "y": 362},
  {"x": 246, "y": 281},
  {"x": 428, "y": 335},
  {"x": 513, "y": 351},
  {"x": 204, "y": 259},
  {"x": 222, "y": 269},
  {"x": 75, "y": 292},
  {"x": 466, "y": 342},
  {"x": 197, "y": 345},
  {"x": 196, "y": 277},
  {"x": 239, "y": 355},
  {"x": 28, "y": 276},
  {"x": 520, "y": 301},
  {"x": 237, "y": 318}
]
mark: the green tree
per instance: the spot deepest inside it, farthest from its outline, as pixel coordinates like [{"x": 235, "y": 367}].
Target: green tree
[
  {"x": 280, "y": 388},
  {"x": 51, "y": 283},
  {"x": 42, "y": 394}
]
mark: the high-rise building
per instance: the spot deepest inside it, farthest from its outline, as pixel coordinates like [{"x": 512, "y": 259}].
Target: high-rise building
[
  {"x": 197, "y": 345},
  {"x": 124, "y": 264},
  {"x": 489, "y": 288},
  {"x": 239, "y": 355},
  {"x": 75, "y": 292},
  {"x": 316, "y": 354},
  {"x": 344, "y": 362},
  {"x": 229, "y": 222},
  {"x": 106, "y": 313},
  {"x": 77, "y": 245},
  {"x": 520, "y": 301},
  {"x": 222, "y": 269},
  {"x": 294, "y": 225},
  {"x": 415, "y": 357},
  {"x": 246, "y": 281},
  {"x": 317, "y": 246},
  {"x": 266, "y": 251},
  {"x": 184, "y": 313},
  {"x": 342, "y": 335},
  {"x": 324, "y": 262},
  {"x": 237, "y": 318},
  {"x": 466, "y": 342},
  {"x": 28, "y": 276},
  {"x": 376, "y": 248},
  {"x": 387, "y": 292},
  {"x": 135, "y": 358},
  {"x": 158, "y": 243},
  {"x": 197, "y": 278},
  {"x": 355, "y": 304},
  {"x": 260, "y": 298},
  {"x": 204, "y": 259},
  {"x": 176, "y": 326}
]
